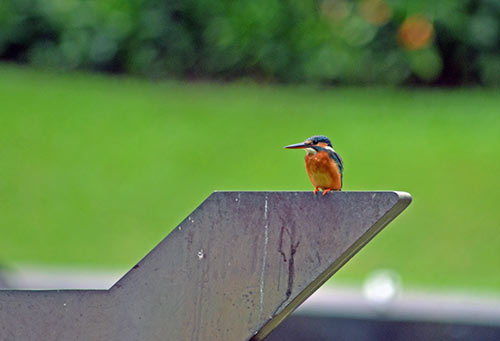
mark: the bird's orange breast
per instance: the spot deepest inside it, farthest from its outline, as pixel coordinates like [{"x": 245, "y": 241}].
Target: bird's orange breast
[{"x": 323, "y": 171}]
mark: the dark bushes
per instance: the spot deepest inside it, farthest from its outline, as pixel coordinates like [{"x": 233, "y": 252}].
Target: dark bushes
[{"x": 450, "y": 42}]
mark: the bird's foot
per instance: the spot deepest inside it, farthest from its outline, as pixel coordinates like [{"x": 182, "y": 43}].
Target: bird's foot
[
  {"x": 316, "y": 190},
  {"x": 326, "y": 191}
]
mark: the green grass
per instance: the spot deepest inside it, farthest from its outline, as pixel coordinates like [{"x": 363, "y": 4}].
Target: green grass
[{"x": 96, "y": 170}]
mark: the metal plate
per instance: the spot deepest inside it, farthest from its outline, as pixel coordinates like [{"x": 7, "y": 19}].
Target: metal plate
[{"x": 232, "y": 270}]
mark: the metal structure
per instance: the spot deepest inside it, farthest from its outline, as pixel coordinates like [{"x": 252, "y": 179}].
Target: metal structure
[{"x": 232, "y": 270}]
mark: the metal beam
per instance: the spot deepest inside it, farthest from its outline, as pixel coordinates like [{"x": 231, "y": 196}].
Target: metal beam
[{"x": 232, "y": 270}]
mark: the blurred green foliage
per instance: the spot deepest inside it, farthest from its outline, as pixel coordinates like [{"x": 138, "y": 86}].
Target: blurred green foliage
[{"x": 329, "y": 41}]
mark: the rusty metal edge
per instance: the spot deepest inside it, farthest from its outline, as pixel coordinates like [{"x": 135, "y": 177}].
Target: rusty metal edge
[{"x": 403, "y": 202}]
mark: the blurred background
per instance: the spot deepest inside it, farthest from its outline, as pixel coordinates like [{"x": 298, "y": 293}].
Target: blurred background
[{"x": 118, "y": 118}]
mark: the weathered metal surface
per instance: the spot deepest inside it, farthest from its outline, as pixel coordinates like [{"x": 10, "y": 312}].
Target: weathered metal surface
[{"x": 232, "y": 270}]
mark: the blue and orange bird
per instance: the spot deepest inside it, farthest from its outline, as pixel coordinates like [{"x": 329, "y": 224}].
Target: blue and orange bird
[{"x": 323, "y": 164}]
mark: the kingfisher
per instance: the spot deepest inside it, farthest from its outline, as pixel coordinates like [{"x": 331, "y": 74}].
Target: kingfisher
[{"x": 323, "y": 164}]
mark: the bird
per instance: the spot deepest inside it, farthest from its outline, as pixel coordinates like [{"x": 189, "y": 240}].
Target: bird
[{"x": 323, "y": 164}]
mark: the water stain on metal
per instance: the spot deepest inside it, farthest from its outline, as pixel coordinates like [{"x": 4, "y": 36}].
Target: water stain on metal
[
  {"x": 264, "y": 257},
  {"x": 293, "y": 245}
]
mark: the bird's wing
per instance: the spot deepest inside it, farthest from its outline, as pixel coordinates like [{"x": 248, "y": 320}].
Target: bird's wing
[{"x": 336, "y": 157}]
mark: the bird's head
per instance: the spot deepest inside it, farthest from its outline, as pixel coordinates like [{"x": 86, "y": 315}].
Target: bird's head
[{"x": 313, "y": 144}]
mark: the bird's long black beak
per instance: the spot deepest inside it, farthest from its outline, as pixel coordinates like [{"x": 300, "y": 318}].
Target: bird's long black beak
[{"x": 301, "y": 145}]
